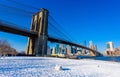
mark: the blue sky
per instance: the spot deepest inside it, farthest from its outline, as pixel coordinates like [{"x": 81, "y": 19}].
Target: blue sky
[{"x": 96, "y": 20}]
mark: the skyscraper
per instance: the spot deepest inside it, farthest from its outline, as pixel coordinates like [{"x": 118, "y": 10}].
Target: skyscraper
[
  {"x": 48, "y": 51},
  {"x": 53, "y": 50},
  {"x": 74, "y": 50},
  {"x": 110, "y": 46},
  {"x": 92, "y": 46},
  {"x": 57, "y": 49},
  {"x": 62, "y": 49},
  {"x": 69, "y": 49},
  {"x": 90, "y": 43}
]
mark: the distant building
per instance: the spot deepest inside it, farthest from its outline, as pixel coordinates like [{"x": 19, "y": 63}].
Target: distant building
[
  {"x": 74, "y": 50},
  {"x": 60, "y": 50},
  {"x": 53, "y": 50},
  {"x": 57, "y": 49},
  {"x": 119, "y": 48},
  {"x": 104, "y": 53},
  {"x": 92, "y": 46},
  {"x": 90, "y": 43},
  {"x": 79, "y": 49},
  {"x": 69, "y": 49},
  {"x": 62, "y": 46},
  {"x": 48, "y": 51},
  {"x": 110, "y": 46}
]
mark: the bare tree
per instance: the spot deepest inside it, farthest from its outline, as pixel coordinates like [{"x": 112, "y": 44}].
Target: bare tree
[{"x": 6, "y": 49}]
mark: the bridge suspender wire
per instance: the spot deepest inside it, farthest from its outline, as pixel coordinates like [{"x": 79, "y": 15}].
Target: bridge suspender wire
[
  {"x": 16, "y": 13},
  {"x": 62, "y": 28},
  {"x": 67, "y": 34},
  {"x": 29, "y": 6},
  {"x": 55, "y": 33},
  {"x": 58, "y": 34},
  {"x": 15, "y": 8},
  {"x": 59, "y": 31},
  {"x": 13, "y": 25},
  {"x": 51, "y": 31}
]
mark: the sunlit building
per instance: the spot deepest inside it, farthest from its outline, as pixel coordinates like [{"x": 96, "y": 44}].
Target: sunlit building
[
  {"x": 74, "y": 50},
  {"x": 53, "y": 50},
  {"x": 110, "y": 46},
  {"x": 62, "y": 49},
  {"x": 69, "y": 49},
  {"x": 92, "y": 46},
  {"x": 48, "y": 51},
  {"x": 57, "y": 49}
]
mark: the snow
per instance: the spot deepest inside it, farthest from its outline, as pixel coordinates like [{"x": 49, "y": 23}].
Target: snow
[
  {"x": 46, "y": 67},
  {"x": 58, "y": 67}
]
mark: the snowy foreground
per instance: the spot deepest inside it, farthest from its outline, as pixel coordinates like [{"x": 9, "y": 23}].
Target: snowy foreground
[{"x": 46, "y": 67}]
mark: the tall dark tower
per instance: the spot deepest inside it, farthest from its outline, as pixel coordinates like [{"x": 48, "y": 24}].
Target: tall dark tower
[{"x": 38, "y": 45}]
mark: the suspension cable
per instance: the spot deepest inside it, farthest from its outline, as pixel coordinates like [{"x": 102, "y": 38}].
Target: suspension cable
[
  {"x": 29, "y": 6},
  {"x": 15, "y": 8}
]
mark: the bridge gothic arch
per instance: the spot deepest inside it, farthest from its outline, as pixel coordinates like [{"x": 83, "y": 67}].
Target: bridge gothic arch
[{"x": 38, "y": 45}]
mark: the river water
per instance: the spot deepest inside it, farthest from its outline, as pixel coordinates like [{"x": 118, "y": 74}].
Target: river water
[{"x": 105, "y": 58}]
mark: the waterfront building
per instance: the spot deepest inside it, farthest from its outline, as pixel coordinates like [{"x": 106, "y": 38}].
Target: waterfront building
[
  {"x": 74, "y": 50},
  {"x": 53, "y": 50},
  {"x": 48, "y": 51},
  {"x": 78, "y": 49},
  {"x": 69, "y": 49},
  {"x": 110, "y": 46},
  {"x": 90, "y": 43},
  {"x": 62, "y": 49},
  {"x": 92, "y": 46},
  {"x": 62, "y": 46},
  {"x": 57, "y": 49}
]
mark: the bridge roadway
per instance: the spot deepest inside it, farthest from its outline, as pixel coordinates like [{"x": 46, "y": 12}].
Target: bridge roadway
[{"x": 14, "y": 30}]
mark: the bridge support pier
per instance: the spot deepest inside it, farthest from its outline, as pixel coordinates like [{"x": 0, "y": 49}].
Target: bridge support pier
[
  {"x": 29, "y": 47},
  {"x": 38, "y": 45}
]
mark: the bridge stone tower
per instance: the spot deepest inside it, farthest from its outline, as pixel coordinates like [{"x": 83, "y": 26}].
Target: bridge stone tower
[{"x": 38, "y": 45}]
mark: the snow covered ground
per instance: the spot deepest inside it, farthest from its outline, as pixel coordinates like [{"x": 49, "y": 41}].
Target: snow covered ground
[{"x": 45, "y": 67}]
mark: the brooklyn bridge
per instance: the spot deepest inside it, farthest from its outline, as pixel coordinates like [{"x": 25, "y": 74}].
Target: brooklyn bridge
[{"x": 38, "y": 35}]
